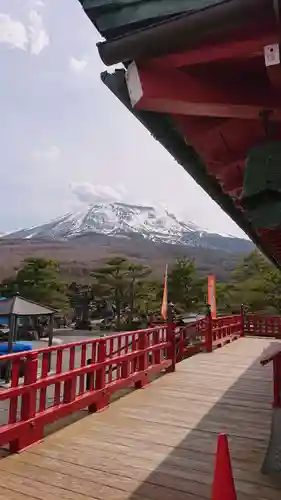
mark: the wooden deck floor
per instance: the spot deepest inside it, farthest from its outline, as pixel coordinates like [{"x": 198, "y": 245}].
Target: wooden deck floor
[{"x": 159, "y": 443}]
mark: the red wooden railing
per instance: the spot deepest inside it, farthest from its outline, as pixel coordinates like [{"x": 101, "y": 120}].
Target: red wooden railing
[
  {"x": 83, "y": 374},
  {"x": 261, "y": 325},
  {"x": 227, "y": 329},
  {"x": 273, "y": 354},
  {"x": 207, "y": 334},
  {"x": 191, "y": 338},
  {"x": 63, "y": 379}
]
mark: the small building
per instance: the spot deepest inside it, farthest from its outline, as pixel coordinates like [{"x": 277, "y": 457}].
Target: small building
[{"x": 17, "y": 307}]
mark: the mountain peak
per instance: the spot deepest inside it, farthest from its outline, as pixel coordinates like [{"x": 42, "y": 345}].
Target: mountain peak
[{"x": 119, "y": 219}]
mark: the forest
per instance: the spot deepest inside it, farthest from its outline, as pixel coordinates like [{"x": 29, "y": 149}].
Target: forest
[{"x": 127, "y": 293}]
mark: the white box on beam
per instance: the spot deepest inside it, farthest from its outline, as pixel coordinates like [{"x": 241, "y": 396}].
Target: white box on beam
[{"x": 271, "y": 55}]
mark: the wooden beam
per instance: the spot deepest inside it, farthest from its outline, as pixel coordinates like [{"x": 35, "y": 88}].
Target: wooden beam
[
  {"x": 221, "y": 141},
  {"x": 245, "y": 48},
  {"x": 175, "y": 92},
  {"x": 223, "y": 145},
  {"x": 231, "y": 177}
]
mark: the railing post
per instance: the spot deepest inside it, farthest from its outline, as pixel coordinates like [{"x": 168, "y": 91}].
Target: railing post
[
  {"x": 242, "y": 313},
  {"x": 28, "y": 404},
  {"x": 209, "y": 333},
  {"x": 171, "y": 339},
  {"x": 101, "y": 372},
  {"x": 125, "y": 365},
  {"x": 90, "y": 379},
  {"x": 143, "y": 360},
  {"x": 69, "y": 390},
  {"x": 276, "y": 328},
  {"x": 157, "y": 354},
  {"x": 104, "y": 398},
  {"x": 180, "y": 344},
  {"x": 171, "y": 350},
  {"x": 34, "y": 431}
]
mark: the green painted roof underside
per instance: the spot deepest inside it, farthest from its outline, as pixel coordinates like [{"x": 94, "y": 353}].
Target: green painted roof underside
[{"x": 114, "y": 17}]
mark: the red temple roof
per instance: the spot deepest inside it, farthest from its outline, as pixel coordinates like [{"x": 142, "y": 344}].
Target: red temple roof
[{"x": 201, "y": 84}]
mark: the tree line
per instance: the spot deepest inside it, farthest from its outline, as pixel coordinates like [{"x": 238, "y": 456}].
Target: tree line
[
  {"x": 118, "y": 288},
  {"x": 128, "y": 293},
  {"x": 256, "y": 283}
]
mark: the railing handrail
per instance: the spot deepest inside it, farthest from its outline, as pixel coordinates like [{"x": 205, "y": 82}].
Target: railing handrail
[
  {"x": 79, "y": 343},
  {"x": 263, "y": 315},
  {"x": 230, "y": 316},
  {"x": 51, "y": 379}
]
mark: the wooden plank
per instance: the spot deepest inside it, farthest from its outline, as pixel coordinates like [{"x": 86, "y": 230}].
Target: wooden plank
[
  {"x": 13, "y": 495},
  {"x": 100, "y": 472},
  {"x": 159, "y": 443}
]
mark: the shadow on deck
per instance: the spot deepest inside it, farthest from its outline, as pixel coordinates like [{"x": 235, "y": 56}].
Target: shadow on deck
[{"x": 159, "y": 443}]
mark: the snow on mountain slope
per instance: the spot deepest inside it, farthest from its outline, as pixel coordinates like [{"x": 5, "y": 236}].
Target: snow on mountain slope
[{"x": 120, "y": 219}]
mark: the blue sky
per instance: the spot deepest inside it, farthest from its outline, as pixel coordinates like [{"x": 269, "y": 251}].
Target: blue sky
[{"x": 65, "y": 140}]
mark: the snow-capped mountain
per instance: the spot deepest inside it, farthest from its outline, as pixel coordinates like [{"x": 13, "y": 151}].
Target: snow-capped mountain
[{"x": 124, "y": 220}]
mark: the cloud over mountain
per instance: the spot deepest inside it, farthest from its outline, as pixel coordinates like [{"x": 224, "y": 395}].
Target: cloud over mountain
[{"x": 89, "y": 193}]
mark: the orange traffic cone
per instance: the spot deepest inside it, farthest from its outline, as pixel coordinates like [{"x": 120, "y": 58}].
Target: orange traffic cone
[{"x": 223, "y": 484}]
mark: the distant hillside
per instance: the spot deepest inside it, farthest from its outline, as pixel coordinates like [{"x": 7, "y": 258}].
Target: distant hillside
[{"x": 78, "y": 256}]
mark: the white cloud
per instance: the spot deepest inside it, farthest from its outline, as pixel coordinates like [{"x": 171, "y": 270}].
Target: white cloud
[
  {"x": 36, "y": 4},
  {"x": 38, "y": 37},
  {"x": 48, "y": 155},
  {"x": 78, "y": 65},
  {"x": 13, "y": 32},
  {"x": 89, "y": 193}
]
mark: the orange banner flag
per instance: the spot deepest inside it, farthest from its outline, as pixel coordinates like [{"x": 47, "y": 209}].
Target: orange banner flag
[
  {"x": 212, "y": 295},
  {"x": 164, "y": 308}
]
